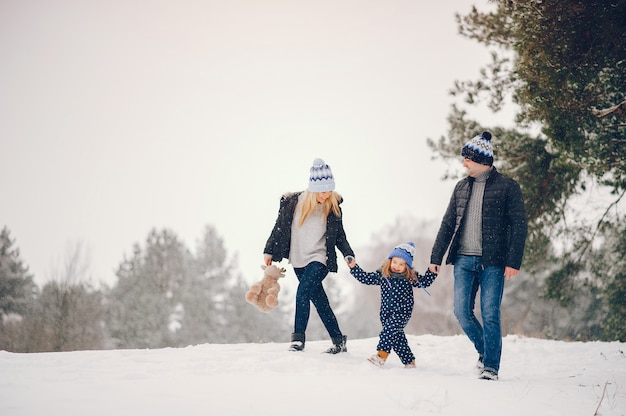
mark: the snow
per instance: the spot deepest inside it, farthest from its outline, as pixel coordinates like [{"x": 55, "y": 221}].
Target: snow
[{"x": 537, "y": 377}]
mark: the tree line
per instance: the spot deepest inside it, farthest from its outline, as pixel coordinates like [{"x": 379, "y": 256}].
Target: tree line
[
  {"x": 168, "y": 296},
  {"x": 165, "y": 296}
]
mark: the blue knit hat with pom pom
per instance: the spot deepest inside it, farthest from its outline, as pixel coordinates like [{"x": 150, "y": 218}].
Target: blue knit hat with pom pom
[
  {"x": 405, "y": 251},
  {"x": 321, "y": 178},
  {"x": 479, "y": 149}
]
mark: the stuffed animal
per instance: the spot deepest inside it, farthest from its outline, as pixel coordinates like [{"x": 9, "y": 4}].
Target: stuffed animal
[{"x": 264, "y": 293}]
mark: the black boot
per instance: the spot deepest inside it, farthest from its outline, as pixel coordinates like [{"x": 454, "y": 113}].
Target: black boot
[
  {"x": 297, "y": 341},
  {"x": 339, "y": 345}
]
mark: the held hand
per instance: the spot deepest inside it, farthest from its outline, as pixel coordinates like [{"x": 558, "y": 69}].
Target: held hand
[
  {"x": 350, "y": 261},
  {"x": 434, "y": 268},
  {"x": 267, "y": 259},
  {"x": 510, "y": 273}
]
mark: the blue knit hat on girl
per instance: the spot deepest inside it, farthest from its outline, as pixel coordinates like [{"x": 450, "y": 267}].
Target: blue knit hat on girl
[
  {"x": 479, "y": 149},
  {"x": 321, "y": 178},
  {"x": 405, "y": 251}
]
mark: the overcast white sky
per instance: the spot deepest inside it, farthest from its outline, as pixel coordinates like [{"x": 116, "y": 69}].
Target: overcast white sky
[{"x": 120, "y": 116}]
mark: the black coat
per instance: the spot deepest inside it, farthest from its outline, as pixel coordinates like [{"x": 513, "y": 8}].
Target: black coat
[
  {"x": 504, "y": 226},
  {"x": 279, "y": 242}
]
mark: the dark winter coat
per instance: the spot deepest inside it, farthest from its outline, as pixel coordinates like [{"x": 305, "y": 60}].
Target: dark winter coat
[
  {"x": 279, "y": 242},
  {"x": 396, "y": 291},
  {"x": 504, "y": 225}
]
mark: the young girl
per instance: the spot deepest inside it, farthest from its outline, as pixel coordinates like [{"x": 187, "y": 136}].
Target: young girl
[
  {"x": 396, "y": 279},
  {"x": 307, "y": 231}
]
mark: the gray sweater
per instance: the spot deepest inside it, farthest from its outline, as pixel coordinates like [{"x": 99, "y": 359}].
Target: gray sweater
[{"x": 471, "y": 243}]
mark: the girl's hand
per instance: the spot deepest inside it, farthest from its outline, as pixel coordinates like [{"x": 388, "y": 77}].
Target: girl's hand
[
  {"x": 350, "y": 261},
  {"x": 267, "y": 259}
]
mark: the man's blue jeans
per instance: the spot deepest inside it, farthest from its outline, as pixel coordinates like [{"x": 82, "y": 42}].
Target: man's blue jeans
[
  {"x": 310, "y": 289},
  {"x": 469, "y": 276}
]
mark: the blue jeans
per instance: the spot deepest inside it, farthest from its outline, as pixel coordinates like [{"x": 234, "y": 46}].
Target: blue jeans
[
  {"x": 469, "y": 275},
  {"x": 310, "y": 289}
]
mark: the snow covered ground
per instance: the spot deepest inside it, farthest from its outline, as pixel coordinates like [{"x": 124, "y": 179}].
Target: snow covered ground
[{"x": 538, "y": 377}]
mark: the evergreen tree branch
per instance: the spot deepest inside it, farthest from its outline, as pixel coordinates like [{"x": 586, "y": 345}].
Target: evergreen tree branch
[{"x": 599, "y": 224}]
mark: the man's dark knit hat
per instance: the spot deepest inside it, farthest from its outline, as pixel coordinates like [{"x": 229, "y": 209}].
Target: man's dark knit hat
[{"x": 479, "y": 149}]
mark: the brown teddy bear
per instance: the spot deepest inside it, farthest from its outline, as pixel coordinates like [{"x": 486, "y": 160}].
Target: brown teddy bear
[{"x": 264, "y": 293}]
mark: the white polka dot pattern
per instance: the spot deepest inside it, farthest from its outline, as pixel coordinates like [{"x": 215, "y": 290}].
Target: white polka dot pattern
[{"x": 396, "y": 307}]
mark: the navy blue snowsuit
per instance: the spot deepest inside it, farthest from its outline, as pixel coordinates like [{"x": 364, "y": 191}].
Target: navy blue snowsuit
[{"x": 396, "y": 307}]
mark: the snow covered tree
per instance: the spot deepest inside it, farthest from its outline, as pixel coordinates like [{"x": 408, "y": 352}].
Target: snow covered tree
[
  {"x": 17, "y": 288},
  {"x": 17, "y": 292},
  {"x": 144, "y": 306},
  {"x": 167, "y": 296},
  {"x": 216, "y": 307},
  {"x": 207, "y": 290}
]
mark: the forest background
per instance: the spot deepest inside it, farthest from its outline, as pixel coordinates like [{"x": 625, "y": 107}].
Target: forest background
[{"x": 559, "y": 64}]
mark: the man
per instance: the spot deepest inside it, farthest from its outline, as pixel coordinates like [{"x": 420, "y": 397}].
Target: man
[{"x": 485, "y": 229}]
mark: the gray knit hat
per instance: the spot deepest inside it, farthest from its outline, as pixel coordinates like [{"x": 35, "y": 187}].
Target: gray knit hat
[
  {"x": 321, "y": 178},
  {"x": 479, "y": 149}
]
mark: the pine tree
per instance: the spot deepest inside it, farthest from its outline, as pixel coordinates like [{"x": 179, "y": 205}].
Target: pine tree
[
  {"x": 17, "y": 288},
  {"x": 144, "y": 308},
  {"x": 562, "y": 64},
  {"x": 167, "y": 296},
  {"x": 217, "y": 310},
  {"x": 17, "y": 294}
]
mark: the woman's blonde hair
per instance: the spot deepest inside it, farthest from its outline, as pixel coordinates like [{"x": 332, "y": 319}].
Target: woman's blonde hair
[
  {"x": 310, "y": 203},
  {"x": 386, "y": 270}
]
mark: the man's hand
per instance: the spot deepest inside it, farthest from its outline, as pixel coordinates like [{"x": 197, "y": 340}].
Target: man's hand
[
  {"x": 510, "y": 272},
  {"x": 434, "y": 268}
]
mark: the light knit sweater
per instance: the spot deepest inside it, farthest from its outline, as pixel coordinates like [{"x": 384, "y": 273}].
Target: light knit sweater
[
  {"x": 471, "y": 243},
  {"x": 308, "y": 242}
]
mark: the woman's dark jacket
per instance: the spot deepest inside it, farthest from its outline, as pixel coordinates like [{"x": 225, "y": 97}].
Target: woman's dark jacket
[
  {"x": 504, "y": 225},
  {"x": 279, "y": 242}
]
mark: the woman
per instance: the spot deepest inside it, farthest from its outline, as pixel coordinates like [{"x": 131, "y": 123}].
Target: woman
[{"x": 308, "y": 228}]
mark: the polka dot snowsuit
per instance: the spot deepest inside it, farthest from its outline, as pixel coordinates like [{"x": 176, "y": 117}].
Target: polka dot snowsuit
[{"x": 396, "y": 307}]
